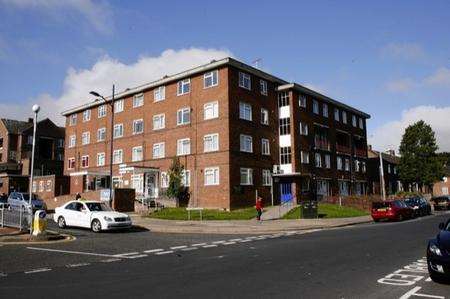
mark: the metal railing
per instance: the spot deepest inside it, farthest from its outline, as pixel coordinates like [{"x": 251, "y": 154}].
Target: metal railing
[{"x": 18, "y": 218}]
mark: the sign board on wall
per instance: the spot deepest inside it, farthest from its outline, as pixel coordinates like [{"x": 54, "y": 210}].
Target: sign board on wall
[{"x": 104, "y": 195}]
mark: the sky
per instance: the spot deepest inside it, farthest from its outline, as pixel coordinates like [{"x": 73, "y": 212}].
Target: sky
[{"x": 390, "y": 59}]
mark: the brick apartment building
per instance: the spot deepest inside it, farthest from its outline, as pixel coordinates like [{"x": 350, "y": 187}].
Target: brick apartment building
[
  {"x": 443, "y": 187},
  {"x": 227, "y": 122},
  {"x": 390, "y": 171},
  {"x": 15, "y": 152}
]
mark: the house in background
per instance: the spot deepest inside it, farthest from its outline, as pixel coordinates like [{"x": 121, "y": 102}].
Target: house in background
[
  {"x": 16, "y": 138},
  {"x": 443, "y": 187},
  {"x": 390, "y": 168}
]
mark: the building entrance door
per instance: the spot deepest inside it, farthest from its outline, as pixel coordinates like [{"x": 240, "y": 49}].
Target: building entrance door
[
  {"x": 150, "y": 184},
  {"x": 286, "y": 192}
]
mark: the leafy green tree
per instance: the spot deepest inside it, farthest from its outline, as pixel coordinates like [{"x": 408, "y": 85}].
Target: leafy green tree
[
  {"x": 419, "y": 162},
  {"x": 175, "y": 187}
]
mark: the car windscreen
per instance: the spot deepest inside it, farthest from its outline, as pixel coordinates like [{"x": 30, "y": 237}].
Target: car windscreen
[
  {"x": 97, "y": 207},
  {"x": 380, "y": 205},
  {"x": 26, "y": 197}
]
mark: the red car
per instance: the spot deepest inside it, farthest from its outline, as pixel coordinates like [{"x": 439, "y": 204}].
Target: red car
[{"x": 391, "y": 210}]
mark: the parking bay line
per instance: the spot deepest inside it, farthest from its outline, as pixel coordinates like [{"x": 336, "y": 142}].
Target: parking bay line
[
  {"x": 164, "y": 252},
  {"x": 37, "y": 270},
  {"x": 153, "y": 250},
  {"x": 178, "y": 247},
  {"x": 77, "y": 252},
  {"x": 77, "y": 265}
]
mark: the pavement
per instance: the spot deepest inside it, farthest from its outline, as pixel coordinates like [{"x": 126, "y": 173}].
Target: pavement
[
  {"x": 242, "y": 226},
  {"x": 370, "y": 260}
]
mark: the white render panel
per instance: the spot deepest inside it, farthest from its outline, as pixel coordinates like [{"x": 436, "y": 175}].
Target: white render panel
[
  {"x": 286, "y": 168},
  {"x": 285, "y": 112},
  {"x": 285, "y": 140}
]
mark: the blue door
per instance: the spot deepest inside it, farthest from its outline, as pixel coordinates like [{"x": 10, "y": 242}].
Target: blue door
[{"x": 286, "y": 192}]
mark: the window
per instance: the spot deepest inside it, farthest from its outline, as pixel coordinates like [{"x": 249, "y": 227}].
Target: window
[
  {"x": 211, "y": 143},
  {"x": 85, "y": 138},
  {"x": 245, "y": 111},
  {"x": 264, "y": 116},
  {"x": 315, "y": 107},
  {"x": 137, "y": 154},
  {"x": 184, "y": 87},
  {"x": 138, "y": 126},
  {"x": 101, "y": 134},
  {"x": 159, "y": 121},
  {"x": 72, "y": 140},
  {"x": 325, "y": 110},
  {"x": 118, "y": 156},
  {"x": 395, "y": 168},
  {"x": 118, "y": 130},
  {"x": 285, "y": 155},
  {"x": 138, "y": 100},
  {"x": 29, "y": 140},
  {"x": 48, "y": 186},
  {"x": 34, "y": 186},
  {"x": 186, "y": 178},
  {"x": 389, "y": 168},
  {"x": 318, "y": 159},
  {"x": 211, "y": 176},
  {"x": 304, "y": 157},
  {"x": 344, "y": 117},
  {"x": 283, "y": 99},
  {"x": 327, "y": 161},
  {"x": 118, "y": 106},
  {"x": 339, "y": 163},
  {"x": 84, "y": 161},
  {"x": 59, "y": 157},
  {"x": 302, "y": 101},
  {"x": 183, "y": 147},
  {"x": 285, "y": 126},
  {"x": 101, "y": 159},
  {"x": 246, "y": 143},
  {"x": 363, "y": 167},
  {"x": 164, "y": 180},
  {"x": 303, "y": 129},
  {"x": 263, "y": 87},
  {"x": 245, "y": 81},
  {"x": 265, "y": 146},
  {"x": 361, "y": 123},
  {"x": 158, "y": 150},
  {"x": 86, "y": 115},
  {"x": 184, "y": 116},
  {"x": 336, "y": 114},
  {"x": 101, "y": 111},
  {"x": 73, "y": 120},
  {"x": 357, "y": 163},
  {"x": 41, "y": 186},
  {"x": 354, "y": 120},
  {"x": 266, "y": 177},
  {"x": 347, "y": 165},
  {"x": 210, "y": 79},
  {"x": 71, "y": 163},
  {"x": 211, "y": 110},
  {"x": 59, "y": 143},
  {"x": 159, "y": 94},
  {"x": 246, "y": 176}
]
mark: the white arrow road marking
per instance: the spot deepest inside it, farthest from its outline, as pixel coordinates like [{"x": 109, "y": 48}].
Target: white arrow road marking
[
  {"x": 37, "y": 270},
  {"x": 75, "y": 252},
  {"x": 413, "y": 292}
]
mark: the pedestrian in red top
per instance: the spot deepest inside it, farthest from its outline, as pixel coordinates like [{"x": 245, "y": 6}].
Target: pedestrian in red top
[{"x": 259, "y": 208}]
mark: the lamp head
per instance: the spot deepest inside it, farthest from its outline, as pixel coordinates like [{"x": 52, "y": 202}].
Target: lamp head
[
  {"x": 95, "y": 94},
  {"x": 36, "y": 108}
]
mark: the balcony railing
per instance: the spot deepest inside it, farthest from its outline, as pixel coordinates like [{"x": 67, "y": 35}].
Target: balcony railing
[
  {"x": 322, "y": 144},
  {"x": 343, "y": 149},
  {"x": 360, "y": 152}
]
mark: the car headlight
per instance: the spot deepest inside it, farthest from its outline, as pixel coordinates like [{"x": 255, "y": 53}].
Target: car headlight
[
  {"x": 435, "y": 250},
  {"x": 109, "y": 219}
]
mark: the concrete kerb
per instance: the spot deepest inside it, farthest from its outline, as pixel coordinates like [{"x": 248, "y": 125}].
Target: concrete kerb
[{"x": 66, "y": 238}]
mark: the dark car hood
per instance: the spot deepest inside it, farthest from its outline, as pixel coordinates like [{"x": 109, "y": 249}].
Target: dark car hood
[{"x": 444, "y": 239}]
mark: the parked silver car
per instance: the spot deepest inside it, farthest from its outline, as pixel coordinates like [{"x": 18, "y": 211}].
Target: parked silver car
[{"x": 19, "y": 200}]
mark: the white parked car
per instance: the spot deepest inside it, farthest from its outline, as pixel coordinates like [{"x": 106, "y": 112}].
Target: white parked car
[{"x": 90, "y": 214}]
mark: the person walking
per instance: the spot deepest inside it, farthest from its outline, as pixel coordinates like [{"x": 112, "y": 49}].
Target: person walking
[{"x": 259, "y": 208}]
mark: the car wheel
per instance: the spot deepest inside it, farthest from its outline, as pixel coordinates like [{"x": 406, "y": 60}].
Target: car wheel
[
  {"x": 400, "y": 217},
  {"x": 61, "y": 222},
  {"x": 96, "y": 226},
  {"x": 376, "y": 220},
  {"x": 436, "y": 277}
]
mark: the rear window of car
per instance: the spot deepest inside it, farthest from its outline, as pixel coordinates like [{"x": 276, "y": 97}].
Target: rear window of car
[{"x": 380, "y": 205}]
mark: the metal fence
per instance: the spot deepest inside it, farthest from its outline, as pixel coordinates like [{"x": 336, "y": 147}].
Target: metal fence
[{"x": 18, "y": 218}]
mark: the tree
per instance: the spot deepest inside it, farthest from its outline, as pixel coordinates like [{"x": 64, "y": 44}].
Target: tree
[
  {"x": 419, "y": 162},
  {"x": 176, "y": 189}
]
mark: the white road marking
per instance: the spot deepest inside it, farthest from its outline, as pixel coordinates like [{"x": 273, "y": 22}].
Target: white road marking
[
  {"x": 3, "y": 274},
  {"x": 408, "y": 275},
  {"x": 245, "y": 241},
  {"x": 235, "y": 240},
  {"x": 198, "y": 244},
  {"x": 37, "y": 270},
  {"x": 74, "y": 252},
  {"x": 189, "y": 249},
  {"x": 209, "y": 246},
  {"x": 126, "y": 254},
  {"x": 428, "y": 279},
  {"x": 77, "y": 265},
  {"x": 138, "y": 256},
  {"x": 218, "y": 242},
  {"x": 228, "y": 243},
  {"x": 110, "y": 260},
  {"x": 413, "y": 292},
  {"x": 164, "y": 252},
  {"x": 178, "y": 247},
  {"x": 153, "y": 250}
]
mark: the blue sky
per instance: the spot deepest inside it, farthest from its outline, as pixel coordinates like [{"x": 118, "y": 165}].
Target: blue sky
[{"x": 390, "y": 59}]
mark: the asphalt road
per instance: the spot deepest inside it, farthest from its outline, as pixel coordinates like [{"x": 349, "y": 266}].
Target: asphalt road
[{"x": 352, "y": 262}]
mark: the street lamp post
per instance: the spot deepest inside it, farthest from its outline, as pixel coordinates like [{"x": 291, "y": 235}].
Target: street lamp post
[
  {"x": 36, "y": 109},
  {"x": 111, "y": 103}
]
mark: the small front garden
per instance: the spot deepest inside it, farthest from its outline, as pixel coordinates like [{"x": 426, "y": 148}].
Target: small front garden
[
  {"x": 327, "y": 210},
  {"x": 182, "y": 214}
]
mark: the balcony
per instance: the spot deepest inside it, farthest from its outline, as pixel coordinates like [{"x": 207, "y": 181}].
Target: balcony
[
  {"x": 359, "y": 152},
  {"x": 343, "y": 149},
  {"x": 322, "y": 144}
]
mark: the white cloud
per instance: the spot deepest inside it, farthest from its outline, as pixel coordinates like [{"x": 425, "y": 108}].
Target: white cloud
[
  {"x": 105, "y": 72},
  {"x": 98, "y": 13},
  {"x": 440, "y": 78},
  {"x": 389, "y": 135},
  {"x": 401, "y": 85},
  {"x": 315, "y": 87},
  {"x": 404, "y": 51}
]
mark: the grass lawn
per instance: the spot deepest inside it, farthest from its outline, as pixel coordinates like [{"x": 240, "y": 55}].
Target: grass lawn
[
  {"x": 330, "y": 211},
  {"x": 182, "y": 214}
]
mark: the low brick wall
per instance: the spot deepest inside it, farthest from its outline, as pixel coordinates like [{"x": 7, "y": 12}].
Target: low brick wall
[
  {"x": 358, "y": 202},
  {"x": 58, "y": 201}
]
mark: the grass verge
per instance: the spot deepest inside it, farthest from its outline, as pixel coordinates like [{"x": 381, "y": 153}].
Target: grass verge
[
  {"x": 329, "y": 211},
  {"x": 182, "y": 214}
]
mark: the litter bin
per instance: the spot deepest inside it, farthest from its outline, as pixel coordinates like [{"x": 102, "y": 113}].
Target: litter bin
[
  {"x": 309, "y": 209},
  {"x": 39, "y": 223}
]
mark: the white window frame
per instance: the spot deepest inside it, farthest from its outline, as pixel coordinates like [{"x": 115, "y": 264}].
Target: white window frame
[
  {"x": 243, "y": 79},
  {"x": 101, "y": 159},
  {"x": 181, "y": 87},
  {"x": 213, "y": 107},
  {"x": 263, "y": 87},
  {"x": 325, "y": 110},
  {"x": 73, "y": 119},
  {"x": 339, "y": 164},
  {"x": 160, "y": 119},
  {"x": 85, "y": 138},
  {"x": 135, "y": 151},
  {"x": 215, "y": 172},
  {"x": 245, "y": 111},
  {"x": 361, "y": 123},
  {"x": 181, "y": 150},
  {"x": 138, "y": 100},
  {"x": 316, "y": 107},
  {"x": 69, "y": 163},
  {"x": 101, "y": 111},
  {"x": 264, "y": 116},
  {"x": 344, "y": 117},
  {"x": 246, "y": 173},
  {"x": 118, "y": 153},
  {"x": 303, "y": 129},
  {"x": 302, "y": 101},
  {"x": 265, "y": 147},
  {"x": 266, "y": 177},
  {"x": 354, "y": 122},
  {"x": 134, "y": 126},
  {"x": 336, "y": 114},
  {"x": 186, "y": 178},
  {"x": 161, "y": 147},
  {"x": 85, "y": 158},
  {"x": 246, "y": 143},
  {"x": 159, "y": 94},
  {"x": 114, "y": 132},
  {"x": 164, "y": 179},
  {"x": 304, "y": 157},
  {"x": 180, "y": 116},
  {"x": 86, "y": 115},
  {"x": 214, "y": 75},
  {"x": 327, "y": 161},
  {"x": 318, "y": 160},
  {"x": 212, "y": 139},
  {"x": 346, "y": 164},
  {"x": 118, "y": 106},
  {"x": 101, "y": 131},
  {"x": 72, "y": 141}
]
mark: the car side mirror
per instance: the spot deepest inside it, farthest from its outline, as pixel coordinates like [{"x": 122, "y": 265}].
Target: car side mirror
[{"x": 441, "y": 225}]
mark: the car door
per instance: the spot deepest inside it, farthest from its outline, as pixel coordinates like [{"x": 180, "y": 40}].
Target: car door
[
  {"x": 84, "y": 218},
  {"x": 69, "y": 214}
]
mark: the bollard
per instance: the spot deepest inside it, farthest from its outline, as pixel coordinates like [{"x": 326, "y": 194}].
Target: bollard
[{"x": 39, "y": 223}]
